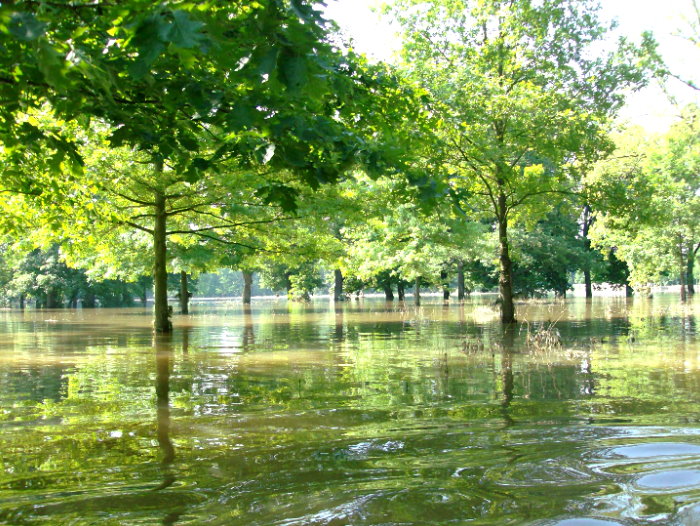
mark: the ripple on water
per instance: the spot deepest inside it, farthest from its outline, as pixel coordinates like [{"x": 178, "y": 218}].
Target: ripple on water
[
  {"x": 556, "y": 472},
  {"x": 656, "y": 449},
  {"x": 586, "y": 522},
  {"x": 670, "y": 480}
]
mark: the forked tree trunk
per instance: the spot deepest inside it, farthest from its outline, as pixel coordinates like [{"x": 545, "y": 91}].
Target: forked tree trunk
[
  {"x": 184, "y": 294},
  {"x": 338, "y": 285},
  {"x": 460, "y": 281},
  {"x": 247, "y": 287},
  {"x": 161, "y": 314},
  {"x": 505, "y": 280}
]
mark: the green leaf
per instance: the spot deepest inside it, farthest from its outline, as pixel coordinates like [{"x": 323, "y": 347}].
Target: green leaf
[
  {"x": 266, "y": 61},
  {"x": 303, "y": 11},
  {"x": 282, "y": 195},
  {"x": 150, "y": 46},
  {"x": 293, "y": 71},
  {"x": 188, "y": 142},
  {"x": 26, "y": 27},
  {"x": 52, "y": 65},
  {"x": 183, "y": 31},
  {"x": 195, "y": 171}
]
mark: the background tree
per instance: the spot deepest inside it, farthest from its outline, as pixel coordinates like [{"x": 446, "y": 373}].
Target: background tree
[
  {"x": 649, "y": 202},
  {"x": 520, "y": 99}
]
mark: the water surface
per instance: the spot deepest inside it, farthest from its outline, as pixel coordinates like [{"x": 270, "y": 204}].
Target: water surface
[{"x": 360, "y": 413}]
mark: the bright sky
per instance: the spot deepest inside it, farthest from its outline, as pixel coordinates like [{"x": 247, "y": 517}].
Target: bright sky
[{"x": 665, "y": 18}]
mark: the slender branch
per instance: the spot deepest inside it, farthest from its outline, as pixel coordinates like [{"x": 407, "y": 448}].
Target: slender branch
[
  {"x": 133, "y": 199},
  {"x": 136, "y": 226},
  {"x": 542, "y": 192},
  {"x": 229, "y": 225},
  {"x": 234, "y": 243}
]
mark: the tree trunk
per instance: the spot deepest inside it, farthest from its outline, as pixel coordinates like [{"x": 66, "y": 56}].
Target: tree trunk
[
  {"x": 588, "y": 283},
  {"x": 22, "y": 301},
  {"x": 184, "y": 294},
  {"x": 690, "y": 271},
  {"x": 401, "y": 291},
  {"x": 161, "y": 314},
  {"x": 629, "y": 291},
  {"x": 247, "y": 287},
  {"x": 52, "y": 301},
  {"x": 460, "y": 281},
  {"x": 416, "y": 294},
  {"x": 338, "y": 285},
  {"x": 388, "y": 293},
  {"x": 681, "y": 272},
  {"x": 89, "y": 300},
  {"x": 144, "y": 294},
  {"x": 505, "y": 280},
  {"x": 445, "y": 285},
  {"x": 587, "y": 222}
]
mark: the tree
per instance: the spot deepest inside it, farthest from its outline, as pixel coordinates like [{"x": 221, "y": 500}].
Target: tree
[
  {"x": 401, "y": 240},
  {"x": 547, "y": 254},
  {"x": 192, "y": 86},
  {"x": 649, "y": 202},
  {"x": 520, "y": 98}
]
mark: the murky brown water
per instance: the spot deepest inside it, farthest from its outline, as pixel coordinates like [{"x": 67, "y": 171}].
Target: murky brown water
[{"x": 360, "y": 414}]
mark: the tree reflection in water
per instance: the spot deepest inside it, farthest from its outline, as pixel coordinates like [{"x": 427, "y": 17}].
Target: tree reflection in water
[{"x": 162, "y": 344}]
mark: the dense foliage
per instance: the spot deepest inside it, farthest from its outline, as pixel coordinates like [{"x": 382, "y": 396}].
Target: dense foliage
[{"x": 140, "y": 140}]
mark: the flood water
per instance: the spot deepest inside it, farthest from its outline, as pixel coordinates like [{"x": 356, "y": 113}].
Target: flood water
[{"x": 355, "y": 414}]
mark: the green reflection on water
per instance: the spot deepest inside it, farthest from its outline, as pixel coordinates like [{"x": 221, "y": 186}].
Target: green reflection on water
[{"x": 364, "y": 413}]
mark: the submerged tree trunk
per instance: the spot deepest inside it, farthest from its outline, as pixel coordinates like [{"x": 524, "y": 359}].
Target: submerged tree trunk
[
  {"x": 89, "y": 300},
  {"x": 247, "y": 287},
  {"x": 184, "y": 294},
  {"x": 161, "y": 314},
  {"x": 629, "y": 291},
  {"x": 143, "y": 295},
  {"x": 588, "y": 283},
  {"x": 388, "y": 293},
  {"x": 460, "y": 281},
  {"x": 587, "y": 222},
  {"x": 690, "y": 270},
  {"x": 338, "y": 280},
  {"x": 505, "y": 280},
  {"x": 445, "y": 285},
  {"x": 416, "y": 293},
  {"x": 52, "y": 301},
  {"x": 681, "y": 272},
  {"x": 22, "y": 301},
  {"x": 401, "y": 291}
]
